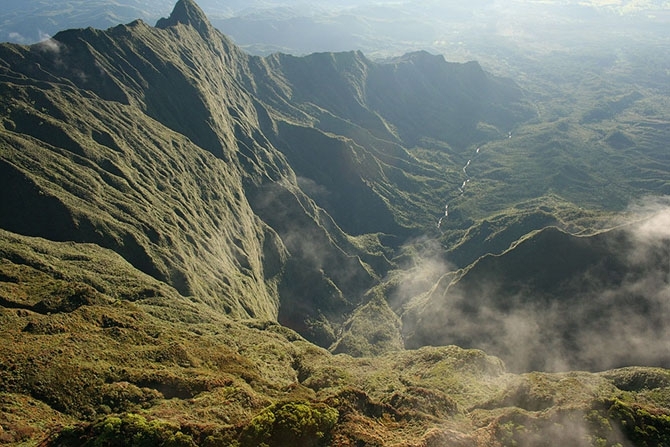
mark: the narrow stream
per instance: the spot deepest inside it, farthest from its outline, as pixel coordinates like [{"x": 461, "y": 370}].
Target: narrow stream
[
  {"x": 461, "y": 189},
  {"x": 466, "y": 180}
]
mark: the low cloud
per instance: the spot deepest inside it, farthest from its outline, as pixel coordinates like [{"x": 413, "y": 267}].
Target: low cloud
[
  {"x": 18, "y": 38},
  {"x": 575, "y": 428},
  {"x": 651, "y": 219},
  {"x": 48, "y": 44},
  {"x": 312, "y": 189},
  {"x": 605, "y": 304},
  {"x": 422, "y": 266}
]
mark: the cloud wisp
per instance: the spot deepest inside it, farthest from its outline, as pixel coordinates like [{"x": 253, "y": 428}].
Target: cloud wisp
[{"x": 559, "y": 302}]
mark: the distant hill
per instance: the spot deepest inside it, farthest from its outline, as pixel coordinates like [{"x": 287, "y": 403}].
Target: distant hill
[{"x": 383, "y": 28}]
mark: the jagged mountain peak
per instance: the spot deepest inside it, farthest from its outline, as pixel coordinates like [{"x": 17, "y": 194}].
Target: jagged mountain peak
[{"x": 186, "y": 12}]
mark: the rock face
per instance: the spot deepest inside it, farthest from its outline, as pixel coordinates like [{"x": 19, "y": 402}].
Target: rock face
[
  {"x": 238, "y": 180},
  {"x": 187, "y": 13}
]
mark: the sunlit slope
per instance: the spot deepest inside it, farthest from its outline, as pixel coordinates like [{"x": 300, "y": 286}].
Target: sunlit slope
[
  {"x": 606, "y": 164},
  {"x": 127, "y": 139},
  {"x": 96, "y": 353},
  {"x": 88, "y": 164},
  {"x": 253, "y": 169}
]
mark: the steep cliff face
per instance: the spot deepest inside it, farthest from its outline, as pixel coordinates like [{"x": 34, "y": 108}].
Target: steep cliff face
[
  {"x": 236, "y": 179},
  {"x": 142, "y": 173},
  {"x": 126, "y": 138}
]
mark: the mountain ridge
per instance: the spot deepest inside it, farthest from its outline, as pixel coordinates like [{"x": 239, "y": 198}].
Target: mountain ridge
[
  {"x": 188, "y": 13},
  {"x": 225, "y": 120},
  {"x": 185, "y": 230}
]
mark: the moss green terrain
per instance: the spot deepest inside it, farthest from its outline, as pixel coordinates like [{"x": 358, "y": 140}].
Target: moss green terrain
[
  {"x": 199, "y": 247},
  {"x": 98, "y": 353}
]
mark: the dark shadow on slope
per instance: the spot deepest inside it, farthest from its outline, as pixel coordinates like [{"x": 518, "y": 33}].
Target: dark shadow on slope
[
  {"x": 27, "y": 209},
  {"x": 557, "y": 302}
]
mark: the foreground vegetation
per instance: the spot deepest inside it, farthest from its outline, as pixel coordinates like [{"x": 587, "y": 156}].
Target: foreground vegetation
[{"x": 98, "y": 353}]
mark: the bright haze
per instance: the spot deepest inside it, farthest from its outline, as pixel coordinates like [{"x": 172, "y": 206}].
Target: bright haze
[{"x": 460, "y": 30}]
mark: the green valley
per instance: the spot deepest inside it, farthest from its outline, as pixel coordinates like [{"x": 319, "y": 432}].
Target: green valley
[{"x": 204, "y": 247}]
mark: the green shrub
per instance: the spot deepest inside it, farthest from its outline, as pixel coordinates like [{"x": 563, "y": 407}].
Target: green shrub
[
  {"x": 642, "y": 426},
  {"x": 293, "y": 423},
  {"x": 128, "y": 430}
]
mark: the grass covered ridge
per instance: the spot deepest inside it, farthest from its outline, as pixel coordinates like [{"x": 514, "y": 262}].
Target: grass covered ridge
[{"x": 119, "y": 356}]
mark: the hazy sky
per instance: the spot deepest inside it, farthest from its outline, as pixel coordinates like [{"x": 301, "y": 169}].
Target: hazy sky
[{"x": 373, "y": 26}]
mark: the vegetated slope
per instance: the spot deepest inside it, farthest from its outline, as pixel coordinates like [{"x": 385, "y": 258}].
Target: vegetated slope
[
  {"x": 227, "y": 176},
  {"x": 127, "y": 139},
  {"x": 96, "y": 352},
  {"x": 90, "y": 166},
  {"x": 377, "y": 111},
  {"x": 555, "y": 301},
  {"x": 154, "y": 230}
]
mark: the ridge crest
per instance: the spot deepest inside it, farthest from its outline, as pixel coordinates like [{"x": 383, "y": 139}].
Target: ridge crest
[{"x": 186, "y": 12}]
